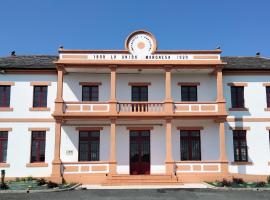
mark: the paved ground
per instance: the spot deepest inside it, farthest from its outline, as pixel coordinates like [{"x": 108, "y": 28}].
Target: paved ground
[{"x": 168, "y": 194}]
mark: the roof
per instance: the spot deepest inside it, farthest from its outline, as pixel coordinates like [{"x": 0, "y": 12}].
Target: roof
[
  {"x": 28, "y": 62},
  {"x": 47, "y": 62}
]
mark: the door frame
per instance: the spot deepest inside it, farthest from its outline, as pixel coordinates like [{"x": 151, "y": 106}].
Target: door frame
[{"x": 142, "y": 129}]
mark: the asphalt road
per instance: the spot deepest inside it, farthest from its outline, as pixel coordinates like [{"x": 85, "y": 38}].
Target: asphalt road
[{"x": 170, "y": 194}]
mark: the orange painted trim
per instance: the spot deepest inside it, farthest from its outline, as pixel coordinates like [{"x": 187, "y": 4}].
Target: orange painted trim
[
  {"x": 199, "y": 161},
  {"x": 266, "y": 84},
  {"x": 71, "y": 168},
  {"x": 139, "y": 83},
  {"x": 268, "y": 128},
  {"x": 84, "y": 57},
  {"x": 39, "y": 129},
  {"x": 205, "y": 57},
  {"x": 238, "y": 109},
  {"x": 189, "y": 83},
  {"x": 6, "y": 129},
  {"x": 7, "y": 83},
  {"x": 237, "y": 84},
  {"x": 37, "y": 164},
  {"x": 6, "y": 109},
  {"x": 87, "y": 162},
  {"x": 90, "y": 83},
  {"x": 248, "y": 119},
  {"x": 267, "y": 109},
  {"x": 241, "y": 163},
  {"x": 269, "y": 163},
  {"x": 46, "y": 83},
  {"x": 27, "y": 120},
  {"x": 39, "y": 109},
  {"x": 89, "y": 128},
  {"x": 99, "y": 168},
  {"x": 190, "y": 128},
  {"x": 246, "y": 72},
  {"x": 4, "y": 165},
  {"x": 134, "y": 128},
  {"x": 246, "y": 128}
]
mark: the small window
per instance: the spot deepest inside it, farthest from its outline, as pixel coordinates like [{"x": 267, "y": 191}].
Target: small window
[
  {"x": 40, "y": 96},
  {"x": 237, "y": 97},
  {"x": 89, "y": 145},
  {"x": 139, "y": 93},
  {"x": 240, "y": 146},
  {"x": 188, "y": 93},
  {"x": 190, "y": 145},
  {"x": 4, "y": 96},
  {"x": 90, "y": 93},
  {"x": 268, "y": 96},
  {"x": 38, "y": 146},
  {"x": 3, "y": 146}
]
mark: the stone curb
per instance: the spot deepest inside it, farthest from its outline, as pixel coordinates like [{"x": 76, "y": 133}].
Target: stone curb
[
  {"x": 40, "y": 191},
  {"x": 236, "y": 189}
]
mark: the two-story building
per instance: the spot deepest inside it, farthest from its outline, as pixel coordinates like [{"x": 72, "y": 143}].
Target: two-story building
[{"x": 138, "y": 115}]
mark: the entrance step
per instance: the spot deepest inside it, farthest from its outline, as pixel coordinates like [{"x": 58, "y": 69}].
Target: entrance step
[{"x": 141, "y": 180}]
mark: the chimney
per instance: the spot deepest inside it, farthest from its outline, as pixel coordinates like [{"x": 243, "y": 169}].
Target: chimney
[{"x": 258, "y": 54}]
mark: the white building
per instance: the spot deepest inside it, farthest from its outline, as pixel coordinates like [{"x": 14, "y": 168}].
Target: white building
[{"x": 105, "y": 116}]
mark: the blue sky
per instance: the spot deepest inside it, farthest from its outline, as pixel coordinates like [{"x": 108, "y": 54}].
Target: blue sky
[{"x": 240, "y": 27}]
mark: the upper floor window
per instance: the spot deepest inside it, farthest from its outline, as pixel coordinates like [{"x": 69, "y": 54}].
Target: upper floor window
[
  {"x": 268, "y": 96},
  {"x": 188, "y": 93},
  {"x": 3, "y": 146},
  {"x": 237, "y": 97},
  {"x": 190, "y": 145},
  {"x": 240, "y": 146},
  {"x": 89, "y": 145},
  {"x": 40, "y": 96},
  {"x": 38, "y": 146},
  {"x": 4, "y": 96},
  {"x": 139, "y": 93},
  {"x": 90, "y": 93}
]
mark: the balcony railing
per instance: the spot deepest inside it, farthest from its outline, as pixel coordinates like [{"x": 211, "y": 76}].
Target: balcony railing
[
  {"x": 140, "y": 107},
  {"x": 196, "y": 107},
  {"x": 86, "y": 107}
]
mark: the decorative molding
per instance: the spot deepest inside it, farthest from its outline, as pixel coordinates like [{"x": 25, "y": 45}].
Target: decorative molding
[
  {"x": 6, "y": 109},
  {"x": 90, "y": 83},
  {"x": 266, "y": 84},
  {"x": 7, "y": 83},
  {"x": 268, "y": 128},
  {"x": 27, "y": 120},
  {"x": 4, "y": 165},
  {"x": 39, "y": 129},
  {"x": 246, "y": 128},
  {"x": 142, "y": 128},
  {"x": 139, "y": 83},
  {"x": 241, "y": 163},
  {"x": 189, "y": 83},
  {"x": 190, "y": 128},
  {"x": 237, "y": 84},
  {"x": 238, "y": 109},
  {"x": 6, "y": 129},
  {"x": 89, "y": 128},
  {"x": 45, "y": 83},
  {"x": 39, "y": 109},
  {"x": 267, "y": 109},
  {"x": 37, "y": 164},
  {"x": 249, "y": 119}
]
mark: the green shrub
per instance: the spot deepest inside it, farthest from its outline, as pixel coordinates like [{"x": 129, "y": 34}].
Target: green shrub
[
  {"x": 260, "y": 184},
  {"x": 238, "y": 181},
  {"x": 41, "y": 181},
  {"x": 17, "y": 179},
  {"x": 226, "y": 183},
  {"x": 29, "y": 178},
  {"x": 23, "y": 179},
  {"x": 52, "y": 185}
]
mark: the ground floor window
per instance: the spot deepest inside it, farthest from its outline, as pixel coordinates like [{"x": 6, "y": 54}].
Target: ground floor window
[
  {"x": 38, "y": 146},
  {"x": 89, "y": 145},
  {"x": 190, "y": 145},
  {"x": 240, "y": 146},
  {"x": 3, "y": 146}
]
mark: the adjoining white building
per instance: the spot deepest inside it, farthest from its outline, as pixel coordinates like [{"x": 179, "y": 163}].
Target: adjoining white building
[{"x": 135, "y": 115}]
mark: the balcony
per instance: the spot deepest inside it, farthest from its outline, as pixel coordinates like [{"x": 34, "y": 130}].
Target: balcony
[{"x": 143, "y": 109}]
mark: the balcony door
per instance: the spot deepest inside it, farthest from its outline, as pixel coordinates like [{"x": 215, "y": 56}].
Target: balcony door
[
  {"x": 139, "y": 152},
  {"x": 139, "y": 93}
]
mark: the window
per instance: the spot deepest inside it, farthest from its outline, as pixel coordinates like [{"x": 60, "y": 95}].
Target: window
[
  {"x": 40, "y": 96},
  {"x": 139, "y": 93},
  {"x": 38, "y": 146},
  {"x": 190, "y": 145},
  {"x": 237, "y": 97},
  {"x": 268, "y": 96},
  {"x": 90, "y": 93},
  {"x": 240, "y": 146},
  {"x": 4, "y": 96},
  {"x": 3, "y": 146},
  {"x": 188, "y": 93},
  {"x": 89, "y": 145}
]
